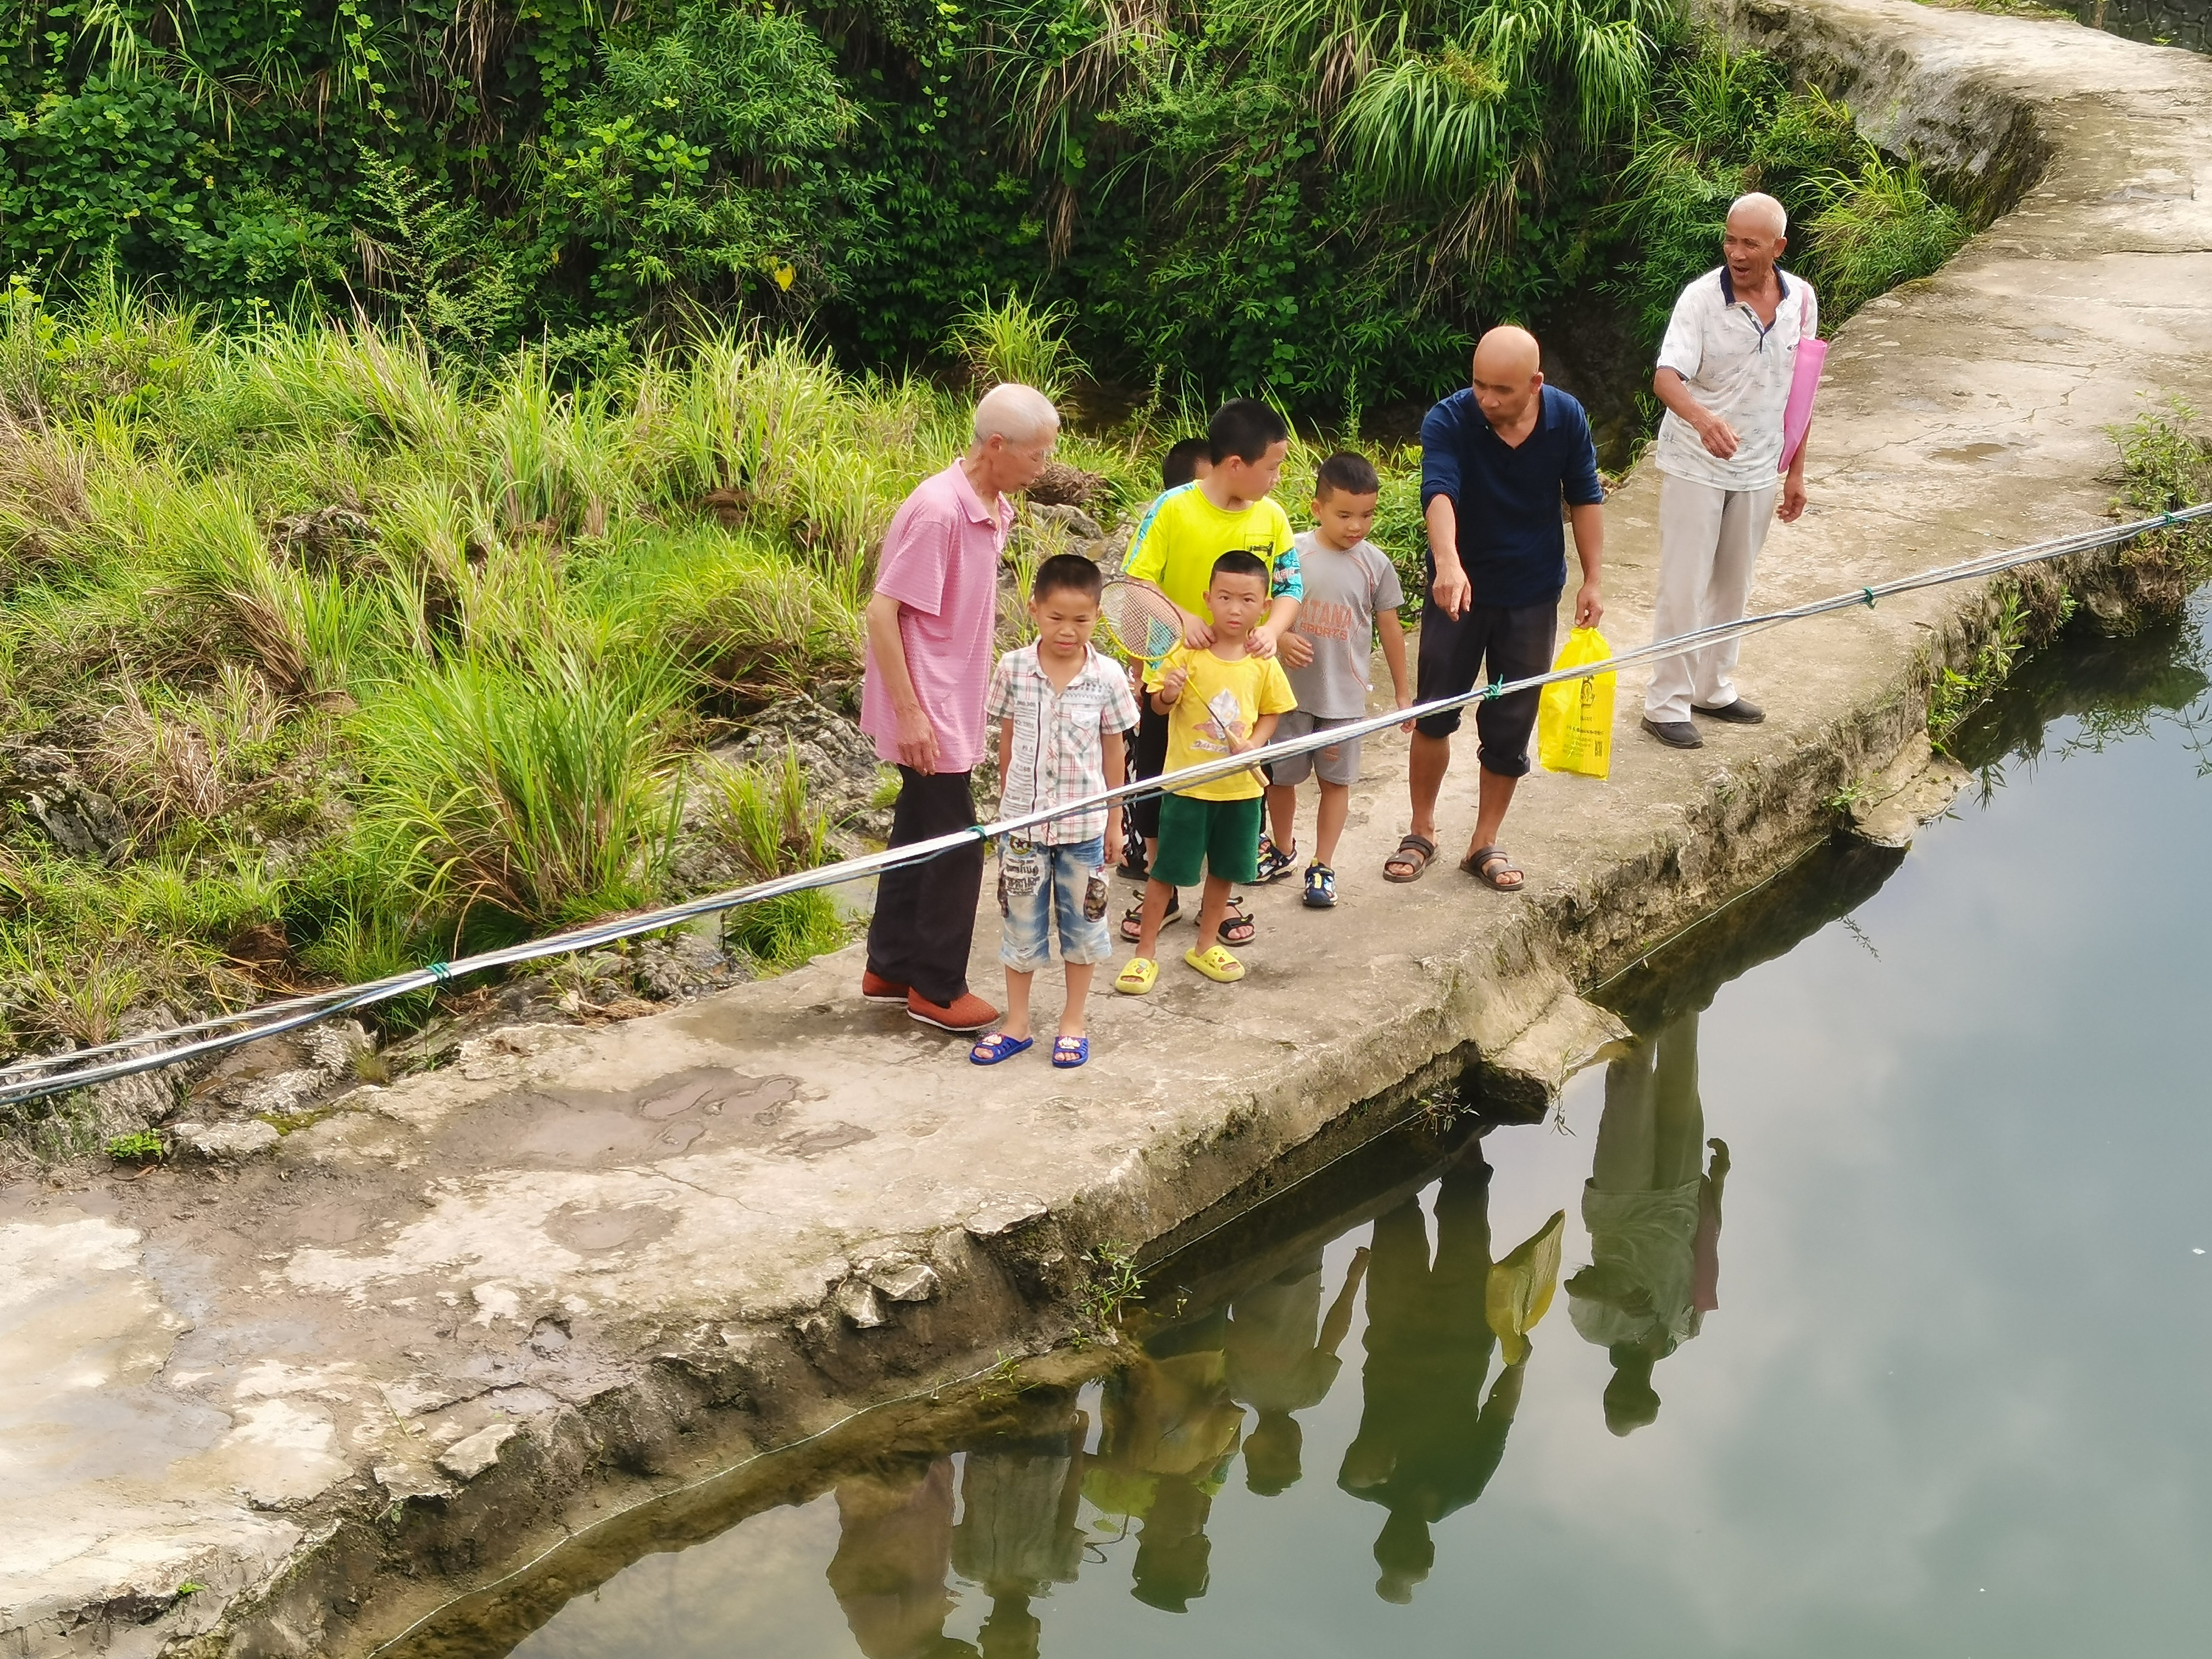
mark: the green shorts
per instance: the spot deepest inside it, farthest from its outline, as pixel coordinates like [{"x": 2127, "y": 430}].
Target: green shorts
[{"x": 1200, "y": 838}]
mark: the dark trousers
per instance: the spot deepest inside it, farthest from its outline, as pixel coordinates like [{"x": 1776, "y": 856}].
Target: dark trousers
[
  {"x": 1512, "y": 642},
  {"x": 924, "y": 916},
  {"x": 1151, "y": 759}
]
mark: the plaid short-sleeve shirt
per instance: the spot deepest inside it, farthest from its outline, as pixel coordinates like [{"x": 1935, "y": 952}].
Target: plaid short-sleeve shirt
[{"x": 1059, "y": 752}]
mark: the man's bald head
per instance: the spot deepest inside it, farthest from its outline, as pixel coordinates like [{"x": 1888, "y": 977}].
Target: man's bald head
[
  {"x": 1757, "y": 231},
  {"x": 1508, "y": 375},
  {"x": 1759, "y": 214},
  {"x": 1507, "y": 354}
]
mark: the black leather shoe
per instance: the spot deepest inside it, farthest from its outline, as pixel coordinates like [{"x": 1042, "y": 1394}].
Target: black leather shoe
[
  {"x": 1738, "y": 713},
  {"x": 1676, "y": 734}
]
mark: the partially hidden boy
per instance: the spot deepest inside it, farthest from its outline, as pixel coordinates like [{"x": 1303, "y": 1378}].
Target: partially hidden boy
[{"x": 1226, "y": 509}]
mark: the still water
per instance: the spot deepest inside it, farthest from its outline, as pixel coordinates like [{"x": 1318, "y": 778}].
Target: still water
[{"x": 1883, "y": 1325}]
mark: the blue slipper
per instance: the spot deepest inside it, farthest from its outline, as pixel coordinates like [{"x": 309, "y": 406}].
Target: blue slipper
[
  {"x": 1068, "y": 1052},
  {"x": 997, "y": 1047}
]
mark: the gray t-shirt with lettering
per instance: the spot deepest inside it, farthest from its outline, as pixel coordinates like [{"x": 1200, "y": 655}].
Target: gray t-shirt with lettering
[{"x": 1343, "y": 592}]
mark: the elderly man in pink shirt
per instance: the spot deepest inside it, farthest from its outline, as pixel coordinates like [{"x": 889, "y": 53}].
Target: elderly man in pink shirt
[{"x": 930, "y": 636}]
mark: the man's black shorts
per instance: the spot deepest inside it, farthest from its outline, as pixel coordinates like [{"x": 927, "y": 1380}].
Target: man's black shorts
[{"x": 1488, "y": 644}]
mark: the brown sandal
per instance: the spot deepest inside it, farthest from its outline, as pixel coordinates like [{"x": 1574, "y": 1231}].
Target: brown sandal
[
  {"x": 1412, "y": 857},
  {"x": 1487, "y": 864}
]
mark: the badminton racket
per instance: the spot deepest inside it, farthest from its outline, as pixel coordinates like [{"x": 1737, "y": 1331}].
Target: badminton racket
[{"x": 1140, "y": 620}]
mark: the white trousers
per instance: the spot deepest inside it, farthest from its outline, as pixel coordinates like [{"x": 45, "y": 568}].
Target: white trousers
[{"x": 1708, "y": 540}]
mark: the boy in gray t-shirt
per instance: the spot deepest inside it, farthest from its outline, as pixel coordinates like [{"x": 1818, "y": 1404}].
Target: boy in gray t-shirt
[{"x": 1352, "y": 594}]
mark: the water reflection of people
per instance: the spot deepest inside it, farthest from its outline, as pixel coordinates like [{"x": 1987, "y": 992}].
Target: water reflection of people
[
  {"x": 1282, "y": 1359},
  {"x": 1169, "y": 1435},
  {"x": 1654, "y": 1216},
  {"x": 1428, "y": 1440},
  {"x": 1018, "y": 1535},
  {"x": 894, "y": 1545}
]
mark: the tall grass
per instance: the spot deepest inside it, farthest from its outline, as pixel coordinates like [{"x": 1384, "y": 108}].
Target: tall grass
[
  {"x": 537, "y": 787},
  {"x": 1014, "y": 340},
  {"x": 762, "y": 813},
  {"x": 1877, "y": 228}
]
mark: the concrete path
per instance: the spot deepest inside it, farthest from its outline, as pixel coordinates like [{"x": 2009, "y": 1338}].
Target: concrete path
[{"x": 446, "y": 1320}]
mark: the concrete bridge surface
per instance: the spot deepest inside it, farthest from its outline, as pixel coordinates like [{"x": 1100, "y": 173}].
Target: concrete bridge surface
[{"x": 447, "y": 1321}]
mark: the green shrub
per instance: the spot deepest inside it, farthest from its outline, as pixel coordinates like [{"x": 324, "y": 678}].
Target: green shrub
[
  {"x": 533, "y": 785},
  {"x": 763, "y": 815},
  {"x": 142, "y": 1146},
  {"x": 1011, "y": 340},
  {"x": 1875, "y": 229}
]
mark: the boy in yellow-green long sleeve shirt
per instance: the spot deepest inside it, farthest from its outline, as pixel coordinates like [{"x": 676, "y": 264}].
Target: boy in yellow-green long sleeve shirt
[{"x": 1180, "y": 536}]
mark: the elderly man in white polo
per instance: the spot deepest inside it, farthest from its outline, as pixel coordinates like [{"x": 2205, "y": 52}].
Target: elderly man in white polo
[{"x": 1724, "y": 375}]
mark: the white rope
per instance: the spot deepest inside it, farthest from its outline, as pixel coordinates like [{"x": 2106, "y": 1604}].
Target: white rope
[{"x": 33, "y": 1078}]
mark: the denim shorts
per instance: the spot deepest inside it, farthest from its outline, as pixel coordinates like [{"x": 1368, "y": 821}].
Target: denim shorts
[{"x": 1038, "y": 884}]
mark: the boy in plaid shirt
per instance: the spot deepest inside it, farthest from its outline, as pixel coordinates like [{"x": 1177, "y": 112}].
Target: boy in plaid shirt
[{"x": 1061, "y": 706}]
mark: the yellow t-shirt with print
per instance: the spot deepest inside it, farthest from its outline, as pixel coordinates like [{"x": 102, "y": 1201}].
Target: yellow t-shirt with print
[
  {"x": 1183, "y": 533},
  {"x": 1257, "y": 685}
]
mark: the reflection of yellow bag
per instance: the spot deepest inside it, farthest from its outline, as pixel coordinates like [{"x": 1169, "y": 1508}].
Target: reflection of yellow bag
[
  {"x": 1573, "y": 722},
  {"x": 1520, "y": 1288}
]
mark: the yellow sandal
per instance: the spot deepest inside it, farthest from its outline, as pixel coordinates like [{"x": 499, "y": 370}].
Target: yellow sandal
[
  {"x": 1217, "y": 964},
  {"x": 1137, "y": 977}
]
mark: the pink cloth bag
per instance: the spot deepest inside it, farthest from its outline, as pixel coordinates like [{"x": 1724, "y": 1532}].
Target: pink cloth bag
[{"x": 1804, "y": 382}]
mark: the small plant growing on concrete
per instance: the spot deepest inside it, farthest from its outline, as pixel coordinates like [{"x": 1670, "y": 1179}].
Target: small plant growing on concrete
[
  {"x": 1113, "y": 1284},
  {"x": 142, "y": 1146}
]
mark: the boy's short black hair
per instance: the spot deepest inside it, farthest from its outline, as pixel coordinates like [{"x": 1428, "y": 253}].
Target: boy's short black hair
[
  {"x": 1066, "y": 573},
  {"x": 1237, "y": 563},
  {"x": 1180, "y": 465},
  {"x": 1244, "y": 428},
  {"x": 1353, "y": 474}
]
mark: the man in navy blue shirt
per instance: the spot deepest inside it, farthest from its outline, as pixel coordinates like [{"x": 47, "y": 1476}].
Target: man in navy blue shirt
[{"x": 1497, "y": 462}]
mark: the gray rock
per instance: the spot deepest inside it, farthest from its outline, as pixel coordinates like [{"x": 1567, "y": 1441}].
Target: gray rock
[
  {"x": 284, "y": 1092},
  {"x": 1004, "y": 1215},
  {"x": 838, "y": 759},
  {"x": 75, "y": 817},
  {"x": 856, "y": 1300},
  {"x": 335, "y": 1045},
  {"x": 467, "y": 1458},
  {"x": 400, "y": 1483},
  {"x": 914, "y": 1281},
  {"x": 125, "y": 1105},
  {"x": 227, "y": 1140},
  {"x": 1079, "y": 524}
]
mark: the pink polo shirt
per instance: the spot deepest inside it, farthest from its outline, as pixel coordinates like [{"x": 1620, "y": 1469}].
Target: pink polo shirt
[{"x": 940, "y": 562}]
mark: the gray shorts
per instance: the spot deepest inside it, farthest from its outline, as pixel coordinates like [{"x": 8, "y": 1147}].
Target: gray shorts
[{"x": 1337, "y": 765}]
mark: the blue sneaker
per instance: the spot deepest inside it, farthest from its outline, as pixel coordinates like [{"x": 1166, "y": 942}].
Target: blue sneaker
[{"x": 1320, "y": 886}]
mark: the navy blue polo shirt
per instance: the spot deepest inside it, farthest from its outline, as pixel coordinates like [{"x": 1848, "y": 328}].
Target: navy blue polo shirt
[{"x": 1510, "y": 539}]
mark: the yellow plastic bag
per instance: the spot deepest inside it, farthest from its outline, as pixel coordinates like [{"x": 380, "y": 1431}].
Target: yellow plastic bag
[
  {"x": 1574, "y": 721},
  {"x": 1520, "y": 1288}
]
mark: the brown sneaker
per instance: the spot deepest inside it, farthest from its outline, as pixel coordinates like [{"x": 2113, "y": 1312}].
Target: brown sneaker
[
  {"x": 876, "y": 988},
  {"x": 970, "y": 1013}
]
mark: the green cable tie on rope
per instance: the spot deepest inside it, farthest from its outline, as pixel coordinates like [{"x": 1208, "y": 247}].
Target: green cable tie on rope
[
  {"x": 1494, "y": 689},
  {"x": 440, "y": 971},
  {"x": 1869, "y": 591}
]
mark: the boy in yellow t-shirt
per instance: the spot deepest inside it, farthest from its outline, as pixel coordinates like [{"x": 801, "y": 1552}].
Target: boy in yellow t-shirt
[{"x": 1220, "y": 700}]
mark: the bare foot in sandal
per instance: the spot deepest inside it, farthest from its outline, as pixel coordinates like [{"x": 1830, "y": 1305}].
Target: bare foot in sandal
[
  {"x": 1412, "y": 857},
  {"x": 1491, "y": 866}
]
